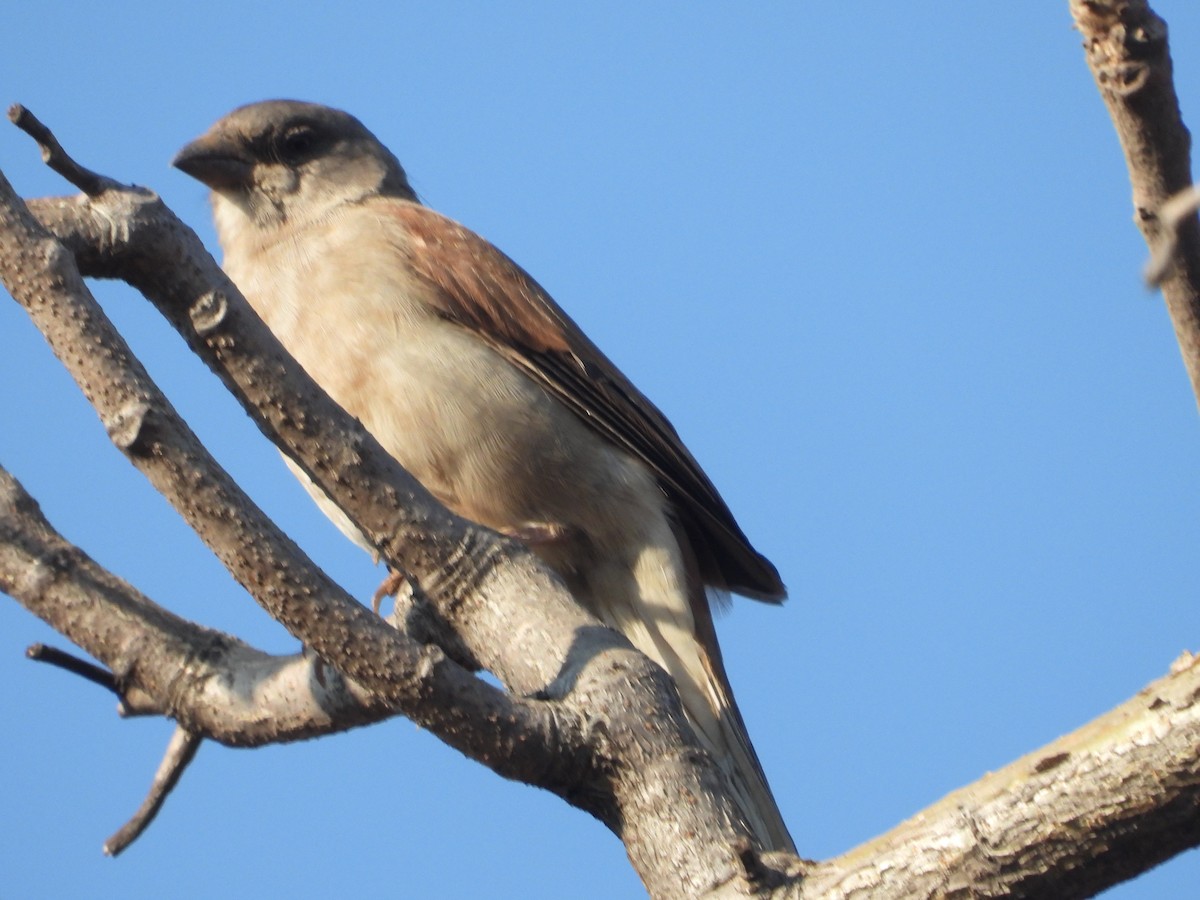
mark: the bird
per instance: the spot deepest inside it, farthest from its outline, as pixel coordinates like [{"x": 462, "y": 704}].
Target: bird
[{"x": 475, "y": 380}]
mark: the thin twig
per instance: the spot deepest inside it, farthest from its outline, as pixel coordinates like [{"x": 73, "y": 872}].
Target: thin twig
[
  {"x": 63, "y": 660},
  {"x": 91, "y": 183},
  {"x": 180, "y": 752}
]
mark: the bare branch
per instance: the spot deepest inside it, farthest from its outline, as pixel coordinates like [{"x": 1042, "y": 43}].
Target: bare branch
[
  {"x": 73, "y": 664},
  {"x": 1090, "y": 810},
  {"x": 163, "y": 664},
  {"x": 1128, "y": 54},
  {"x": 54, "y": 156},
  {"x": 180, "y": 752}
]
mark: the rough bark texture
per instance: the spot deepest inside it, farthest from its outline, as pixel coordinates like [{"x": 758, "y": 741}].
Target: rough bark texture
[
  {"x": 1094, "y": 808},
  {"x": 584, "y": 715},
  {"x": 1128, "y": 54}
]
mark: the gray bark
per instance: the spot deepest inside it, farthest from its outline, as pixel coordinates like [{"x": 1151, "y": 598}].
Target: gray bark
[{"x": 582, "y": 714}]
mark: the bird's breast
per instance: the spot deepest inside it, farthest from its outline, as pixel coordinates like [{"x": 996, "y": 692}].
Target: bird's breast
[{"x": 480, "y": 434}]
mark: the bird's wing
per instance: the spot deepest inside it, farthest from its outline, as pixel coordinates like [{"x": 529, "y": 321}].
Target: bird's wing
[{"x": 478, "y": 287}]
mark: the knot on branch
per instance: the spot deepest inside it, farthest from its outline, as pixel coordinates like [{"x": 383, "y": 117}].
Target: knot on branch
[
  {"x": 1144, "y": 36},
  {"x": 1125, "y": 78},
  {"x": 1125, "y": 43},
  {"x": 127, "y": 428},
  {"x": 209, "y": 312}
]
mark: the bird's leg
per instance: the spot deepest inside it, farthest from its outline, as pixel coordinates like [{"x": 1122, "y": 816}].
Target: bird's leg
[{"x": 394, "y": 581}]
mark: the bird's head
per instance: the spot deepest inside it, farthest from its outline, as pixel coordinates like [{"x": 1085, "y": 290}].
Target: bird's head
[{"x": 284, "y": 161}]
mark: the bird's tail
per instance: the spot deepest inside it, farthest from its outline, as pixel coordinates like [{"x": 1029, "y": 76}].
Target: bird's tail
[
  {"x": 677, "y": 633},
  {"x": 708, "y": 702}
]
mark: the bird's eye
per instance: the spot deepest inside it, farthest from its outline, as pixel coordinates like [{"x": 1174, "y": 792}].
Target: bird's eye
[{"x": 296, "y": 142}]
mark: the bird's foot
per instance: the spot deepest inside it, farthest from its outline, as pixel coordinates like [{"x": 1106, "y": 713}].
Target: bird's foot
[{"x": 391, "y": 584}]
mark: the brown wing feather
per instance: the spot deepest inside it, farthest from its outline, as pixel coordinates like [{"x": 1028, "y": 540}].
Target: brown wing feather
[{"x": 482, "y": 289}]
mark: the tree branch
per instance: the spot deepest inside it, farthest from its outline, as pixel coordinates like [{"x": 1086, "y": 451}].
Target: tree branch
[
  {"x": 180, "y": 752},
  {"x": 1128, "y": 54},
  {"x": 233, "y": 693},
  {"x": 53, "y": 155},
  {"x": 73, "y": 664},
  {"x": 1103, "y": 804}
]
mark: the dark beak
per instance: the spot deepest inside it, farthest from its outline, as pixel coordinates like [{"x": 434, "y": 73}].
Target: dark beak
[{"x": 216, "y": 163}]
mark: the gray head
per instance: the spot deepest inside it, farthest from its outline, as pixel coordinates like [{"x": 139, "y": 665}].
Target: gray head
[{"x": 286, "y": 161}]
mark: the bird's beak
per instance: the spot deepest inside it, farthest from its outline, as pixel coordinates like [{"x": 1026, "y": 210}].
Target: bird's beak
[{"x": 218, "y": 163}]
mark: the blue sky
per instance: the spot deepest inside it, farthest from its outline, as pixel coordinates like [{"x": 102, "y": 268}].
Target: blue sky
[{"x": 877, "y": 264}]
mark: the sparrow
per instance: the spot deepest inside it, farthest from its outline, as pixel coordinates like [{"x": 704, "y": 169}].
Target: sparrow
[{"x": 473, "y": 378}]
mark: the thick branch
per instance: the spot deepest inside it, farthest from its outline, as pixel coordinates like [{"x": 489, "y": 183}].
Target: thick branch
[{"x": 1090, "y": 810}]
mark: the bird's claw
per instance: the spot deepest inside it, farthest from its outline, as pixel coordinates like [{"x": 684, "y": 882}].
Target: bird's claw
[{"x": 389, "y": 587}]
